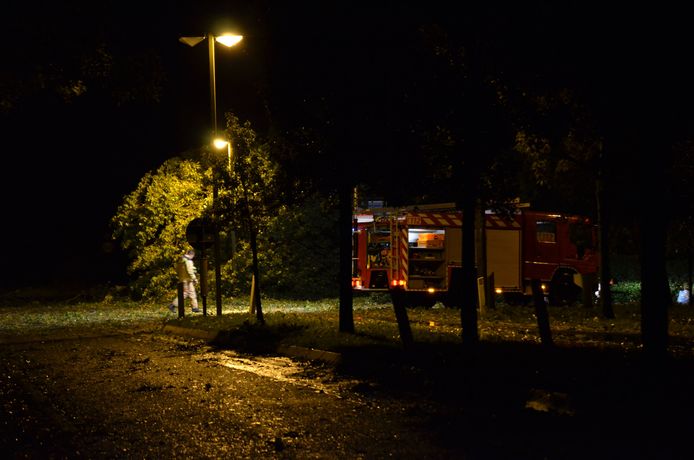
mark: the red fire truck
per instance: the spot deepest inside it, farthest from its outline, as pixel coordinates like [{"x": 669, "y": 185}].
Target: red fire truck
[{"x": 419, "y": 249}]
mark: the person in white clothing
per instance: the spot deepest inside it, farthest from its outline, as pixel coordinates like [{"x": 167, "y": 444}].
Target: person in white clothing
[
  {"x": 683, "y": 295},
  {"x": 188, "y": 276}
]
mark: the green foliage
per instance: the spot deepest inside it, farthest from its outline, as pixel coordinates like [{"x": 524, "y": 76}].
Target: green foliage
[
  {"x": 298, "y": 253},
  {"x": 250, "y": 187},
  {"x": 302, "y": 250},
  {"x": 150, "y": 223},
  {"x": 249, "y": 201},
  {"x": 626, "y": 292},
  {"x": 297, "y": 247}
]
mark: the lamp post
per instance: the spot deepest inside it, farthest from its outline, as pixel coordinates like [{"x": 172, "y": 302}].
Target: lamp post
[
  {"x": 227, "y": 40},
  {"x": 220, "y": 144},
  {"x": 255, "y": 285}
]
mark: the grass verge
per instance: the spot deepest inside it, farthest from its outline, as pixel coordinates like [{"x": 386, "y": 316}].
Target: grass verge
[{"x": 315, "y": 324}]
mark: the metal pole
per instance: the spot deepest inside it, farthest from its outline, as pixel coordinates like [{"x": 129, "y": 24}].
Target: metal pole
[
  {"x": 213, "y": 85},
  {"x": 203, "y": 273},
  {"x": 203, "y": 283},
  {"x": 217, "y": 245},
  {"x": 217, "y": 257},
  {"x": 181, "y": 300}
]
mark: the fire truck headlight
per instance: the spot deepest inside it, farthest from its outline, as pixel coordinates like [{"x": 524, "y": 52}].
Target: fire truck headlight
[
  {"x": 543, "y": 287},
  {"x": 499, "y": 291},
  {"x": 431, "y": 290}
]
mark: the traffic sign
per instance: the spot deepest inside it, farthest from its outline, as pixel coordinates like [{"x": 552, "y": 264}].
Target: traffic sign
[{"x": 200, "y": 233}]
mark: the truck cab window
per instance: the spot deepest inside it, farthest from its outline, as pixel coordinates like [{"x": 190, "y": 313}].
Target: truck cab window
[
  {"x": 546, "y": 232},
  {"x": 581, "y": 235}
]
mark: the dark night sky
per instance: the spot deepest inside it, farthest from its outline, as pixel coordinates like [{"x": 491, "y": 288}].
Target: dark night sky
[{"x": 66, "y": 167}]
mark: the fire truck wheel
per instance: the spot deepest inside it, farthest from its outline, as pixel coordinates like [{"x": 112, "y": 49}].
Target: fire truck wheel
[{"x": 562, "y": 289}]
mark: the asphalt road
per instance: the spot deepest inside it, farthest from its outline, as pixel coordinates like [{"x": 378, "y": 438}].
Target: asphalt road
[{"x": 147, "y": 394}]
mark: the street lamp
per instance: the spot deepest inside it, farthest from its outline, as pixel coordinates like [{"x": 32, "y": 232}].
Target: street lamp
[
  {"x": 227, "y": 40},
  {"x": 256, "y": 307},
  {"x": 219, "y": 145}
]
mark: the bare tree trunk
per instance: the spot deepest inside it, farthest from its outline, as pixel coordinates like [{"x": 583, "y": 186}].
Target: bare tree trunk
[
  {"x": 345, "y": 272},
  {"x": 603, "y": 242},
  {"x": 481, "y": 256},
  {"x": 468, "y": 307},
  {"x": 541, "y": 314},
  {"x": 256, "y": 274},
  {"x": 399, "y": 299},
  {"x": 654, "y": 293},
  {"x": 254, "y": 251},
  {"x": 654, "y": 283},
  {"x": 689, "y": 275}
]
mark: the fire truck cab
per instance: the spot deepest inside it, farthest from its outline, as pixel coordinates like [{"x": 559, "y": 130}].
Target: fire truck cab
[{"x": 419, "y": 249}]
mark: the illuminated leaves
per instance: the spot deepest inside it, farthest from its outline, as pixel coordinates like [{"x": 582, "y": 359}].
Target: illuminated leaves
[
  {"x": 250, "y": 188},
  {"x": 151, "y": 221},
  {"x": 297, "y": 244}
]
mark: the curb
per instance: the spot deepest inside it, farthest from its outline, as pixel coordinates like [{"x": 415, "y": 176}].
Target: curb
[
  {"x": 292, "y": 351},
  {"x": 310, "y": 354},
  {"x": 188, "y": 332}
]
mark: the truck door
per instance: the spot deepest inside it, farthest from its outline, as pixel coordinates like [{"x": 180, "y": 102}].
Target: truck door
[
  {"x": 546, "y": 249},
  {"x": 378, "y": 254},
  {"x": 504, "y": 257}
]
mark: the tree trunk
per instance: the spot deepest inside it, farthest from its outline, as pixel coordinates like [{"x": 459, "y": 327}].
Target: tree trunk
[
  {"x": 256, "y": 274},
  {"x": 689, "y": 275},
  {"x": 654, "y": 283},
  {"x": 654, "y": 292},
  {"x": 399, "y": 299},
  {"x": 217, "y": 252},
  {"x": 345, "y": 273},
  {"x": 481, "y": 255},
  {"x": 468, "y": 307},
  {"x": 541, "y": 314},
  {"x": 254, "y": 251},
  {"x": 603, "y": 243}
]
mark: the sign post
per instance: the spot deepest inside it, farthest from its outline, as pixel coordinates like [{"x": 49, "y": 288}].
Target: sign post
[{"x": 200, "y": 235}]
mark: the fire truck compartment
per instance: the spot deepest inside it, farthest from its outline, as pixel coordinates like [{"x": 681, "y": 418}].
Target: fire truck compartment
[
  {"x": 427, "y": 262},
  {"x": 503, "y": 258}
]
